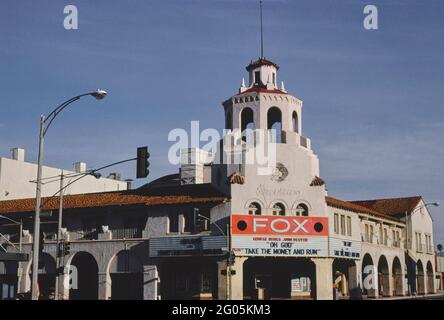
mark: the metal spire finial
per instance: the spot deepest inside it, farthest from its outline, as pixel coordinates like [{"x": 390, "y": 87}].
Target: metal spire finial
[{"x": 262, "y": 32}]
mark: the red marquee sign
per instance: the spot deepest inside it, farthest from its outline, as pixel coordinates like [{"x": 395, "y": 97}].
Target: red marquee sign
[{"x": 279, "y": 225}]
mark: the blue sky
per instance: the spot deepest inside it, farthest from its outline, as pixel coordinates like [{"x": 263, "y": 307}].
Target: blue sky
[{"x": 373, "y": 100}]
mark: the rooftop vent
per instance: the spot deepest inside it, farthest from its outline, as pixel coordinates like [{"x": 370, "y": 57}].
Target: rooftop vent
[{"x": 18, "y": 154}]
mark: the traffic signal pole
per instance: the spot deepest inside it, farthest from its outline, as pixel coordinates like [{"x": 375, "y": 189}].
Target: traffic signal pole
[
  {"x": 59, "y": 236},
  {"x": 228, "y": 264},
  {"x": 60, "y": 253}
]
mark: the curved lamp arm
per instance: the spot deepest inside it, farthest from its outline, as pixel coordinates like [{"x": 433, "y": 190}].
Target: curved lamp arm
[
  {"x": 13, "y": 221},
  {"x": 99, "y": 94}
]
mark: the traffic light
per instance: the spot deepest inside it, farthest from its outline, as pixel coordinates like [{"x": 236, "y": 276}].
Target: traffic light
[
  {"x": 41, "y": 242},
  {"x": 61, "y": 248},
  {"x": 142, "y": 162},
  {"x": 231, "y": 258},
  {"x": 67, "y": 250}
]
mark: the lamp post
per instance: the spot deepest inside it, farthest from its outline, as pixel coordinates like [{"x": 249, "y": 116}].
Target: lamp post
[
  {"x": 21, "y": 229},
  {"x": 45, "y": 123}
]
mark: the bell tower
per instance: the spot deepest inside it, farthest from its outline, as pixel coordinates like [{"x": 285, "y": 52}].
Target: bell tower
[{"x": 264, "y": 105}]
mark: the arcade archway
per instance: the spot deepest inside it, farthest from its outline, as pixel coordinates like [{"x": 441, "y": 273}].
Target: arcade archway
[
  {"x": 84, "y": 268},
  {"x": 369, "y": 277},
  {"x": 430, "y": 278},
  {"x": 383, "y": 277},
  {"x": 420, "y": 278},
  {"x": 46, "y": 277},
  {"x": 397, "y": 278},
  {"x": 126, "y": 273},
  {"x": 343, "y": 270}
]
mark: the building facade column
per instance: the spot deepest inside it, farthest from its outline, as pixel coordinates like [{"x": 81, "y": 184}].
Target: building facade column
[
  {"x": 324, "y": 278},
  {"x": 23, "y": 277},
  {"x": 150, "y": 282},
  {"x": 222, "y": 279},
  {"x": 104, "y": 286},
  {"x": 231, "y": 286}
]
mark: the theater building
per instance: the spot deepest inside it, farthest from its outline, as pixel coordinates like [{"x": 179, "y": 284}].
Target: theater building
[{"x": 229, "y": 227}]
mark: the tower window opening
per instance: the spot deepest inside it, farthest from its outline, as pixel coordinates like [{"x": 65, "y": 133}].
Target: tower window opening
[
  {"x": 247, "y": 124},
  {"x": 274, "y": 78},
  {"x": 228, "y": 121},
  {"x": 295, "y": 122},
  {"x": 257, "y": 77},
  {"x": 274, "y": 119}
]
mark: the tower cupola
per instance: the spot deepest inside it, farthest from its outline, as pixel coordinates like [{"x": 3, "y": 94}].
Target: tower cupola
[{"x": 263, "y": 73}]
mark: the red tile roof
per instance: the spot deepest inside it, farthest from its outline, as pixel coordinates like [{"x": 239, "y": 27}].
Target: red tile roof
[
  {"x": 152, "y": 197},
  {"x": 332, "y": 202},
  {"x": 236, "y": 178},
  {"x": 395, "y": 207},
  {"x": 264, "y": 90},
  {"x": 261, "y": 62},
  {"x": 317, "y": 182}
]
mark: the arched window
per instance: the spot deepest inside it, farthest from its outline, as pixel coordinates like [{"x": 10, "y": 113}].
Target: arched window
[
  {"x": 274, "y": 120},
  {"x": 247, "y": 122},
  {"x": 295, "y": 122},
  {"x": 254, "y": 208},
  {"x": 278, "y": 209},
  {"x": 302, "y": 210},
  {"x": 228, "y": 120}
]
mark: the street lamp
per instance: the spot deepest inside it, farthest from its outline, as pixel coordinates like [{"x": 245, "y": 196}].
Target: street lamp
[{"x": 45, "y": 123}]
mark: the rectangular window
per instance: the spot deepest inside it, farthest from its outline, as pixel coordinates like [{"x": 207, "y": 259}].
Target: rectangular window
[
  {"x": 343, "y": 225},
  {"x": 173, "y": 222},
  {"x": 385, "y": 236},
  {"x": 428, "y": 243},
  {"x": 418, "y": 242},
  {"x": 398, "y": 239},
  {"x": 367, "y": 234},
  {"x": 381, "y": 234},
  {"x": 349, "y": 226},
  {"x": 371, "y": 234},
  {"x": 336, "y": 222},
  {"x": 188, "y": 222},
  {"x": 394, "y": 240}
]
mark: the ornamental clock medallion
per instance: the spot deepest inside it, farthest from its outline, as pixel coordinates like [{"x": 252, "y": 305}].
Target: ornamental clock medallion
[{"x": 279, "y": 173}]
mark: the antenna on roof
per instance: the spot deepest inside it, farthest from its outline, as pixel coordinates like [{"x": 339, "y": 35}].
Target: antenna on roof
[{"x": 262, "y": 32}]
